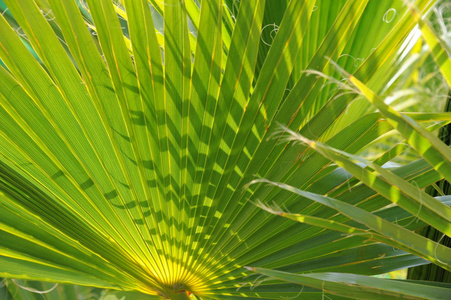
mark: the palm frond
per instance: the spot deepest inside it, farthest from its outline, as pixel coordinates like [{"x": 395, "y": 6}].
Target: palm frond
[{"x": 129, "y": 133}]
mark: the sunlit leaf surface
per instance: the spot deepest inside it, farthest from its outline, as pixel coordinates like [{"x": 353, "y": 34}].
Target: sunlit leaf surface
[{"x": 130, "y": 131}]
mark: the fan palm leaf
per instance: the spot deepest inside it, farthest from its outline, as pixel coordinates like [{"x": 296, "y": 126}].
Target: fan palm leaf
[{"x": 130, "y": 132}]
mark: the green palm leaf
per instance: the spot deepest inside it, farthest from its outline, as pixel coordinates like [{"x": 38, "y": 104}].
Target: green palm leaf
[
  {"x": 362, "y": 287},
  {"x": 129, "y": 133}
]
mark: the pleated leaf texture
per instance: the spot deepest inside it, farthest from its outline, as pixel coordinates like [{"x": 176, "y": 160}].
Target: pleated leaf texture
[{"x": 169, "y": 147}]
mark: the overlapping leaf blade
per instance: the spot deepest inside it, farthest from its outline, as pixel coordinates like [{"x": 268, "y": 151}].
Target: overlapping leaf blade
[{"x": 359, "y": 287}]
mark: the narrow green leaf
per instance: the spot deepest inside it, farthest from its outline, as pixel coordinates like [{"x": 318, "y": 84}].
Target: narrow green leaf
[
  {"x": 425, "y": 143},
  {"x": 386, "y": 232},
  {"x": 360, "y": 287},
  {"x": 440, "y": 51},
  {"x": 392, "y": 187}
]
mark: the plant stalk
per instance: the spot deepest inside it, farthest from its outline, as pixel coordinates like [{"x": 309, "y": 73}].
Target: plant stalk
[{"x": 183, "y": 295}]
